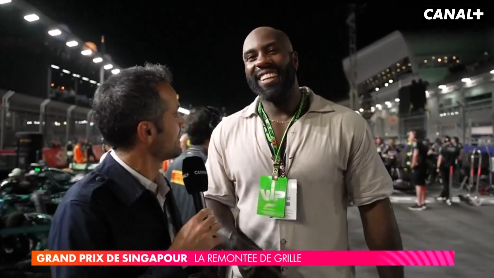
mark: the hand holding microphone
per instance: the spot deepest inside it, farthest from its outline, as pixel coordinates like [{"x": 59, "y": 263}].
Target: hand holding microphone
[
  {"x": 199, "y": 233},
  {"x": 196, "y": 182}
]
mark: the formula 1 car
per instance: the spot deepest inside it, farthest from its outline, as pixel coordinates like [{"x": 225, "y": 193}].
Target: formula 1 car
[
  {"x": 24, "y": 227},
  {"x": 51, "y": 180},
  {"x": 82, "y": 167},
  {"x": 61, "y": 176}
]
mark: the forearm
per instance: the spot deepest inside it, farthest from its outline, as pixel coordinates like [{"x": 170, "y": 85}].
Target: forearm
[
  {"x": 382, "y": 233},
  {"x": 222, "y": 213}
]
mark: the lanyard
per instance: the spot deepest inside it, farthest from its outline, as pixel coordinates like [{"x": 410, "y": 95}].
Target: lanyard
[{"x": 270, "y": 135}]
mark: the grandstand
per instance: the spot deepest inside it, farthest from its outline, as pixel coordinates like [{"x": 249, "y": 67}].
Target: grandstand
[
  {"x": 48, "y": 76},
  {"x": 458, "y": 73}
]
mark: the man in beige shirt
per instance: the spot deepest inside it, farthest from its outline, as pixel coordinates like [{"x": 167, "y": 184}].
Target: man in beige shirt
[{"x": 328, "y": 150}]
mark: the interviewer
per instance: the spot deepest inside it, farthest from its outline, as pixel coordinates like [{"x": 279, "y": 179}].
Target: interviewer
[{"x": 125, "y": 203}]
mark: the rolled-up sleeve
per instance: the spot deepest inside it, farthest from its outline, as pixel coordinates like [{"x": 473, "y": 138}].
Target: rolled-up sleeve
[
  {"x": 366, "y": 177},
  {"x": 221, "y": 188}
]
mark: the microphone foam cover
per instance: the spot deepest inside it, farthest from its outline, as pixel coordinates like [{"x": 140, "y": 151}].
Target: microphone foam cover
[{"x": 194, "y": 175}]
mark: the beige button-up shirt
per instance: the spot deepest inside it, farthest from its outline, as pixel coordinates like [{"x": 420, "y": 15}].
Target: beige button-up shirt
[{"x": 330, "y": 152}]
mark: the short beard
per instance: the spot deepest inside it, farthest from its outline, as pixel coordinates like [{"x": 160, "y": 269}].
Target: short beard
[{"x": 275, "y": 94}]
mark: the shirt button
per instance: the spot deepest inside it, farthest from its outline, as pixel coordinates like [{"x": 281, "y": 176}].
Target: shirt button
[{"x": 283, "y": 241}]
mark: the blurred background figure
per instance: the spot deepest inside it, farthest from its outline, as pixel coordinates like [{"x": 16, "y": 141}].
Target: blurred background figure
[
  {"x": 380, "y": 146},
  {"x": 432, "y": 155},
  {"x": 449, "y": 154},
  {"x": 88, "y": 147},
  {"x": 459, "y": 162},
  {"x": 199, "y": 126},
  {"x": 16, "y": 174},
  {"x": 69, "y": 148},
  {"x": 184, "y": 140},
  {"x": 19, "y": 183},
  {"x": 391, "y": 154},
  {"x": 419, "y": 167},
  {"x": 456, "y": 141},
  {"x": 79, "y": 153}
]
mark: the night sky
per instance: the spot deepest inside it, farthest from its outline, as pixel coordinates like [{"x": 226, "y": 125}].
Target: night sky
[{"x": 202, "y": 43}]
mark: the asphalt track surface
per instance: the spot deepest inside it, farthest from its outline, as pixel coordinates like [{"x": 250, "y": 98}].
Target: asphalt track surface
[{"x": 468, "y": 230}]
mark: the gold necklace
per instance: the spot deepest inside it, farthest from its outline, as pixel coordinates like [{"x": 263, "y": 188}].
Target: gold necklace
[{"x": 279, "y": 122}]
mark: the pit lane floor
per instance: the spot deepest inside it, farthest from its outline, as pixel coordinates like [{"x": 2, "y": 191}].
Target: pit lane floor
[{"x": 466, "y": 229}]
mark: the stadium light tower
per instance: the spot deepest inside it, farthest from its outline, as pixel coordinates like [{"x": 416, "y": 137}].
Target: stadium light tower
[
  {"x": 352, "y": 53},
  {"x": 102, "y": 67},
  {"x": 351, "y": 21}
]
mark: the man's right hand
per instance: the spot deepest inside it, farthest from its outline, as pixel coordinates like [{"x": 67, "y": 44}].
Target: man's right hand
[{"x": 199, "y": 233}]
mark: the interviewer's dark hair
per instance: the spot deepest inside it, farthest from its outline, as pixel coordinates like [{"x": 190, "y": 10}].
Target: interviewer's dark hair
[
  {"x": 126, "y": 99},
  {"x": 200, "y": 123}
]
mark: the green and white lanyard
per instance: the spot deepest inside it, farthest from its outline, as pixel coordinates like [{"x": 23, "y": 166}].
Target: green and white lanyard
[{"x": 271, "y": 137}]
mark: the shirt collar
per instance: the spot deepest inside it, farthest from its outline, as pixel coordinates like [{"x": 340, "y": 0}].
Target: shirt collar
[
  {"x": 317, "y": 104},
  {"x": 197, "y": 148},
  {"x": 160, "y": 184}
]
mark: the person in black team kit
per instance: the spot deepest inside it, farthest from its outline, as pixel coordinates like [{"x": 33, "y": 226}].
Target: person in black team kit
[
  {"x": 419, "y": 167},
  {"x": 448, "y": 155},
  {"x": 199, "y": 125},
  {"x": 432, "y": 155},
  {"x": 380, "y": 146},
  {"x": 391, "y": 155},
  {"x": 456, "y": 141}
]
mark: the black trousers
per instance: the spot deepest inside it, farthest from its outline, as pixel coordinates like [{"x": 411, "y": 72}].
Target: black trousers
[
  {"x": 89, "y": 155},
  {"x": 445, "y": 176},
  {"x": 390, "y": 165},
  {"x": 432, "y": 171},
  {"x": 388, "y": 168}
]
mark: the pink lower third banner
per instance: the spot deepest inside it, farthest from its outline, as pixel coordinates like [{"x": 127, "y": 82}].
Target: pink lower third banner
[{"x": 244, "y": 258}]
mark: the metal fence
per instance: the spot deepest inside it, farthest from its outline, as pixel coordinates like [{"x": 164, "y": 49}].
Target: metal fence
[
  {"x": 57, "y": 121},
  {"x": 471, "y": 122},
  {"x": 419, "y": 121},
  {"x": 464, "y": 121},
  {"x": 392, "y": 126}
]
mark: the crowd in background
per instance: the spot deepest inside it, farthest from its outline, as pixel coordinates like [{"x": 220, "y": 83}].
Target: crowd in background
[{"x": 421, "y": 162}]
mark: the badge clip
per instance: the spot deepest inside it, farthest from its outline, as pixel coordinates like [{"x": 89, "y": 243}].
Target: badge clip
[
  {"x": 282, "y": 171},
  {"x": 275, "y": 172}
]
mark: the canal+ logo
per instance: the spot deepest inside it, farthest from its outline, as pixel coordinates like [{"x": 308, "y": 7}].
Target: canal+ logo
[{"x": 452, "y": 14}]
